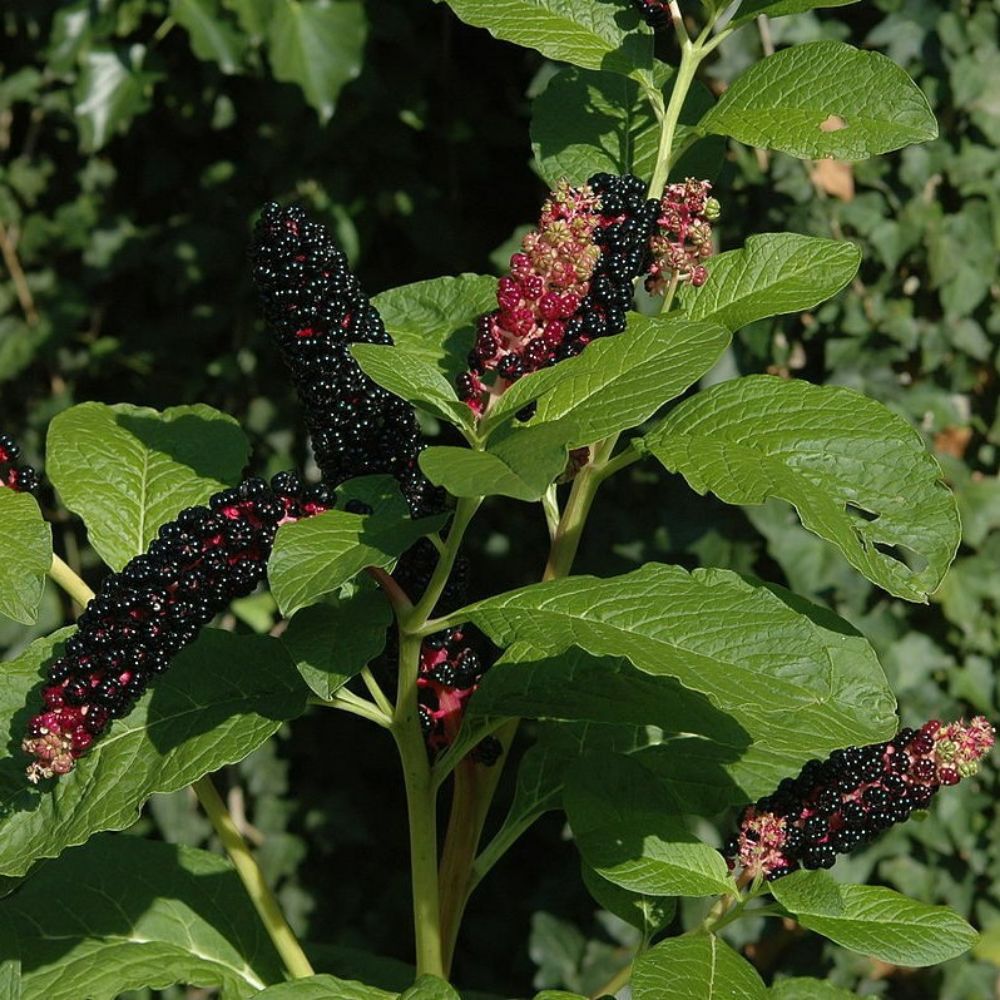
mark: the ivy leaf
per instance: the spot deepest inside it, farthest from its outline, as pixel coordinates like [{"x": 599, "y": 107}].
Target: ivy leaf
[
  {"x": 586, "y": 121},
  {"x": 324, "y": 988},
  {"x": 824, "y": 99},
  {"x": 695, "y": 967},
  {"x": 213, "y": 38},
  {"x": 591, "y": 35},
  {"x": 25, "y": 556},
  {"x": 221, "y": 699},
  {"x": 751, "y": 9},
  {"x": 128, "y": 469},
  {"x": 111, "y": 90},
  {"x": 164, "y": 897},
  {"x": 618, "y": 382},
  {"x": 647, "y": 913},
  {"x": 803, "y": 988},
  {"x": 794, "y": 680},
  {"x": 874, "y": 921},
  {"x": 332, "y": 642},
  {"x": 520, "y": 462},
  {"x": 627, "y": 828},
  {"x": 317, "y": 44},
  {"x": 406, "y": 374},
  {"x": 314, "y": 557},
  {"x": 773, "y": 273},
  {"x": 857, "y": 474}
]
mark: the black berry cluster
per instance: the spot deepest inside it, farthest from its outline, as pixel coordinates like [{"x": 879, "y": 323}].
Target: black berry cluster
[
  {"x": 316, "y": 310},
  {"x": 570, "y": 283},
  {"x": 656, "y": 13},
  {"x": 832, "y": 806},
  {"x": 14, "y": 474},
  {"x": 146, "y": 614}
]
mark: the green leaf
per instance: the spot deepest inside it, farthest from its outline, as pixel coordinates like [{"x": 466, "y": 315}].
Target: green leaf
[
  {"x": 521, "y": 462},
  {"x": 695, "y": 967},
  {"x": 406, "y": 374},
  {"x": 429, "y": 988},
  {"x": 332, "y": 642},
  {"x": 130, "y": 912},
  {"x": 221, "y": 699},
  {"x": 317, "y": 44},
  {"x": 434, "y": 319},
  {"x": 824, "y": 99},
  {"x": 857, "y": 474},
  {"x": 751, "y": 9},
  {"x": 213, "y": 38},
  {"x": 618, "y": 382},
  {"x": 873, "y": 920},
  {"x": 585, "y": 122},
  {"x": 803, "y": 988},
  {"x": 254, "y": 16},
  {"x": 591, "y": 35},
  {"x": 774, "y": 273},
  {"x": 128, "y": 469},
  {"x": 324, "y": 988},
  {"x": 795, "y": 680},
  {"x": 10, "y": 958},
  {"x": 111, "y": 90},
  {"x": 314, "y": 557},
  {"x": 628, "y": 829},
  {"x": 648, "y": 914},
  {"x": 25, "y": 556}
]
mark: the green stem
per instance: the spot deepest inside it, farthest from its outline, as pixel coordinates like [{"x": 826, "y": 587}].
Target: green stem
[
  {"x": 253, "y": 880},
  {"x": 691, "y": 56},
  {"x": 375, "y": 690},
  {"x": 421, "y": 810},
  {"x": 348, "y": 701},
  {"x": 72, "y": 584},
  {"x": 615, "y": 983}
]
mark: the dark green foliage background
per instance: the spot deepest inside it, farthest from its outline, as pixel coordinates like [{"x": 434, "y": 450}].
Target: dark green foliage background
[{"x": 133, "y": 253}]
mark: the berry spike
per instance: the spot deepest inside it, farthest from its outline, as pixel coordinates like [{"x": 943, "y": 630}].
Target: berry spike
[
  {"x": 17, "y": 476},
  {"x": 832, "y": 806},
  {"x": 146, "y": 614},
  {"x": 316, "y": 309},
  {"x": 570, "y": 283},
  {"x": 656, "y": 13}
]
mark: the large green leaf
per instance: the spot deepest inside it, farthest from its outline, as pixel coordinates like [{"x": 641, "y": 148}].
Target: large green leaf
[
  {"x": 591, "y": 35},
  {"x": 874, "y": 921},
  {"x": 434, "y": 319},
  {"x": 134, "y": 913},
  {"x": 408, "y": 375},
  {"x": 128, "y": 469},
  {"x": 802, "y": 988},
  {"x": 587, "y": 121},
  {"x": 858, "y": 475},
  {"x": 750, "y": 9},
  {"x": 314, "y": 557},
  {"x": 317, "y": 44},
  {"x": 773, "y": 273},
  {"x": 111, "y": 90},
  {"x": 429, "y": 988},
  {"x": 824, "y": 99},
  {"x": 213, "y": 38},
  {"x": 628, "y": 829},
  {"x": 324, "y": 988},
  {"x": 647, "y": 913},
  {"x": 25, "y": 556},
  {"x": 618, "y": 382},
  {"x": 220, "y": 700},
  {"x": 695, "y": 967},
  {"x": 10, "y": 958},
  {"x": 332, "y": 642},
  {"x": 795, "y": 680}
]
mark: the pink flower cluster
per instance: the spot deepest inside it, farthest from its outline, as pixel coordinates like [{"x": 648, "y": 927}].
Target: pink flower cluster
[{"x": 684, "y": 236}]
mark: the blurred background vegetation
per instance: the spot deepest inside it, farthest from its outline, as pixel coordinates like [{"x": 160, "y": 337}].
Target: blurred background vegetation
[{"x": 139, "y": 138}]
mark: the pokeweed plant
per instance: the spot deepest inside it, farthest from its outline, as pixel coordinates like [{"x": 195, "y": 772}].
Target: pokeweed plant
[{"x": 709, "y": 736}]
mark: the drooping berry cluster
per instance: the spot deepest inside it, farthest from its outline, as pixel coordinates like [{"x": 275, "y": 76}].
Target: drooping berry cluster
[
  {"x": 317, "y": 309},
  {"x": 832, "y": 806},
  {"x": 146, "y": 614},
  {"x": 684, "y": 235},
  {"x": 17, "y": 476},
  {"x": 570, "y": 283},
  {"x": 656, "y": 13}
]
